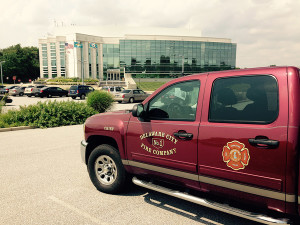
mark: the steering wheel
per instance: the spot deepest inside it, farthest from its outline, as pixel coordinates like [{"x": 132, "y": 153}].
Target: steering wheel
[{"x": 174, "y": 110}]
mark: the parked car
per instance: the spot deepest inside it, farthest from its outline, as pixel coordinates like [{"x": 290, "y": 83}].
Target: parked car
[
  {"x": 7, "y": 99},
  {"x": 80, "y": 91},
  {"x": 234, "y": 137},
  {"x": 112, "y": 89},
  {"x": 131, "y": 95},
  {"x": 5, "y": 90},
  {"x": 52, "y": 91},
  {"x": 33, "y": 91},
  {"x": 17, "y": 91},
  {"x": 1, "y": 89}
]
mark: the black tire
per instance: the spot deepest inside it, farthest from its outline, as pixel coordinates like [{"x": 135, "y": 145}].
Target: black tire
[
  {"x": 21, "y": 94},
  {"x": 131, "y": 100},
  {"x": 73, "y": 97},
  {"x": 82, "y": 97},
  {"x": 48, "y": 96},
  {"x": 111, "y": 175}
]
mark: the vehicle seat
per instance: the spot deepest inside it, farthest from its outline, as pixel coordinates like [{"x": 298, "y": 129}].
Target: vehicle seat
[
  {"x": 226, "y": 98},
  {"x": 256, "y": 111}
]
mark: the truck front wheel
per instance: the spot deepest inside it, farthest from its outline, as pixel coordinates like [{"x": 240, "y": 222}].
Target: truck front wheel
[{"x": 106, "y": 169}]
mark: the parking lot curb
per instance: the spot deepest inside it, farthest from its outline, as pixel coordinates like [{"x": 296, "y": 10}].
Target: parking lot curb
[{"x": 16, "y": 128}]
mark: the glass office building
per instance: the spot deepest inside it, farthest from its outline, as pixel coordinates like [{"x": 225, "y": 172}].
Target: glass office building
[
  {"x": 171, "y": 57},
  {"x": 165, "y": 56}
]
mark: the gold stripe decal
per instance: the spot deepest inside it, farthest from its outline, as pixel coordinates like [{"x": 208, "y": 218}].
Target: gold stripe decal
[
  {"x": 176, "y": 173},
  {"x": 218, "y": 182}
]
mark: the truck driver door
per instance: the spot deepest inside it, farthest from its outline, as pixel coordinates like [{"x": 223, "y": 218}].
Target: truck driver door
[{"x": 167, "y": 136}]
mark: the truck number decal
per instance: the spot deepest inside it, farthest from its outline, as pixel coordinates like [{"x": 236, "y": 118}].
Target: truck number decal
[
  {"x": 158, "y": 143},
  {"x": 235, "y": 155}
]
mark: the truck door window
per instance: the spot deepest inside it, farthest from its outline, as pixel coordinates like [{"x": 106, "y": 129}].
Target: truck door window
[
  {"x": 248, "y": 99},
  {"x": 176, "y": 102}
]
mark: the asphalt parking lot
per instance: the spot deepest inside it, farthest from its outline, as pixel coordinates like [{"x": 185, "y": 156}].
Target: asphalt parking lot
[{"x": 43, "y": 181}]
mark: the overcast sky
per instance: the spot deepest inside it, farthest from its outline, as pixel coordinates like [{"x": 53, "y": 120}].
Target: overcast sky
[{"x": 267, "y": 32}]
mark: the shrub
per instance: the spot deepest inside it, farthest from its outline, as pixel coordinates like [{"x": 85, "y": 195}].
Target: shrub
[
  {"x": 47, "y": 114},
  {"x": 100, "y": 100},
  {"x": 3, "y": 102}
]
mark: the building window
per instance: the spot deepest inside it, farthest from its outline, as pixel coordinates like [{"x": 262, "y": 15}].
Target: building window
[
  {"x": 53, "y": 59},
  {"x": 97, "y": 64},
  {"x": 44, "y": 61},
  {"x": 167, "y": 57},
  {"x": 62, "y": 53},
  {"x": 111, "y": 57}
]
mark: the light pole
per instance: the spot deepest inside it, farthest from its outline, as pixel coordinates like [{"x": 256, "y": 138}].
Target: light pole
[
  {"x": 82, "y": 69},
  {"x": 1, "y": 72},
  {"x": 182, "y": 66}
]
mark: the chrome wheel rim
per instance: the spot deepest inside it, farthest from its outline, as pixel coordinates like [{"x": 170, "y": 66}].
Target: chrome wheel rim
[{"x": 106, "y": 170}]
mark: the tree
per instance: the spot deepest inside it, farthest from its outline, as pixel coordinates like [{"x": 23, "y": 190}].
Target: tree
[{"x": 20, "y": 62}]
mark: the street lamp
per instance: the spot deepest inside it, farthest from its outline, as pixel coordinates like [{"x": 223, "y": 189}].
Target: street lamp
[{"x": 1, "y": 72}]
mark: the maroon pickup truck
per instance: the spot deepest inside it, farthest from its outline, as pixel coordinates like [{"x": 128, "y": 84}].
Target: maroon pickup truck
[{"x": 230, "y": 134}]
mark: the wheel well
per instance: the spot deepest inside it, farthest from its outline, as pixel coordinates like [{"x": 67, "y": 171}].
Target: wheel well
[{"x": 97, "y": 140}]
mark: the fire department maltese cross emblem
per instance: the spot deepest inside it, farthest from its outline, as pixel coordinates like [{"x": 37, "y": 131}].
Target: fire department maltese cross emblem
[{"x": 236, "y": 155}]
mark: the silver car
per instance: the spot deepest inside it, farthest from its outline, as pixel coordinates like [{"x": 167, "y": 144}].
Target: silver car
[
  {"x": 34, "y": 90},
  {"x": 112, "y": 89},
  {"x": 131, "y": 95},
  {"x": 17, "y": 91}
]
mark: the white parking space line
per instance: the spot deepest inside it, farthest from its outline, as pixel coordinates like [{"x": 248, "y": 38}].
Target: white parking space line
[
  {"x": 211, "y": 221},
  {"x": 76, "y": 210}
]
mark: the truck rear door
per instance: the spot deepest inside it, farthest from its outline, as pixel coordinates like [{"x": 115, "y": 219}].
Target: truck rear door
[
  {"x": 243, "y": 136},
  {"x": 293, "y": 169}
]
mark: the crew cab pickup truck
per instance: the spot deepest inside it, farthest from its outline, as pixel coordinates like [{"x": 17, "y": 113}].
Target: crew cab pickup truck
[{"x": 229, "y": 134}]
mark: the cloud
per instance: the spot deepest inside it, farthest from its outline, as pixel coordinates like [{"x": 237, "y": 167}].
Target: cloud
[{"x": 266, "y": 31}]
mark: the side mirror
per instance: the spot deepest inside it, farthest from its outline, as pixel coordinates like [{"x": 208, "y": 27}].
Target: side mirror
[{"x": 137, "y": 110}]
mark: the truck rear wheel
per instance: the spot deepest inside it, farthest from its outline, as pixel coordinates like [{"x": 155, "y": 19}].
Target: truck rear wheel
[{"x": 106, "y": 169}]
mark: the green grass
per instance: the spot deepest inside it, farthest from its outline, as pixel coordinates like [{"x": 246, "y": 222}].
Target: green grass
[{"x": 149, "y": 86}]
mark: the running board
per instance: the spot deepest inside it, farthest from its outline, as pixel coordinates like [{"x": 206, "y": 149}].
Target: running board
[{"x": 210, "y": 204}]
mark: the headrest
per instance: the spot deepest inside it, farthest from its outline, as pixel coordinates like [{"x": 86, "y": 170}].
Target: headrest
[
  {"x": 227, "y": 97},
  {"x": 255, "y": 94}
]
